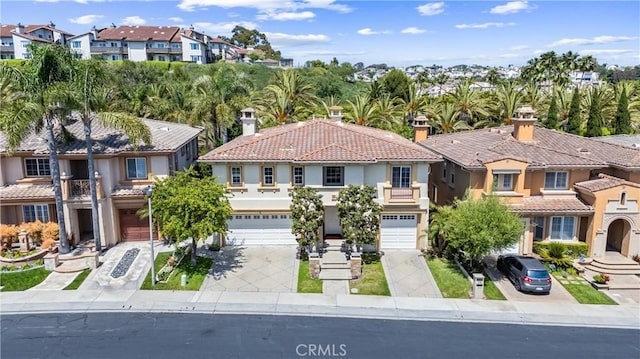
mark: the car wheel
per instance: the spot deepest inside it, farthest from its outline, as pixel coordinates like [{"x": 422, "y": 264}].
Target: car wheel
[{"x": 516, "y": 283}]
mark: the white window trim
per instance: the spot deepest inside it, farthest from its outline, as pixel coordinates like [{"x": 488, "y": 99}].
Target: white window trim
[
  {"x": 263, "y": 170},
  {"x": 39, "y": 170},
  {"x": 231, "y": 181},
  {"x": 38, "y": 216},
  {"x": 400, "y": 174},
  {"x": 562, "y": 220},
  {"x": 300, "y": 176},
  {"x": 554, "y": 188},
  {"x": 498, "y": 182},
  {"x": 324, "y": 176},
  {"x": 146, "y": 170}
]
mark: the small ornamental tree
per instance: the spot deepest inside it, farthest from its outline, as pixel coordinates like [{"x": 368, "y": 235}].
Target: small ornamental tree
[
  {"x": 552, "y": 115},
  {"x": 476, "y": 227},
  {"x": 359, "y": 214},
  {"x": 575, "y": 122},
  {"x": 623, "y": 118},
  {"x": 594, "y": 122},
  {"x": 307, "y": 214},
  {"x": 185, "y": 206}
]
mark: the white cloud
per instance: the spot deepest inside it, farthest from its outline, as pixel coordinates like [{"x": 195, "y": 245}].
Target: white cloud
[
  {"x": 430, "y": 9},
  {"x": 223, "y": 27},
  {"x": 509, "y": 56},
  {"x": 176, "y": 19},
  {"x": 278, "y": 39},
  {"x": 413, "y": 30},
  {"x": 511, "y": 7},
  {"x": 605, "y": 39},
  {"x": 367, "y": 31},
  {"x": 485, "y": 25},
  {"x": 85, "y": 19},
  {"x": 265, "y": 5},
  {"x": 87, "y": 1},
  {"x": 133, "y": 20},
  {"x": 286, "y": 16},
  {"x": 605, "y": 51},
  {"x": 519, "y": 47}
]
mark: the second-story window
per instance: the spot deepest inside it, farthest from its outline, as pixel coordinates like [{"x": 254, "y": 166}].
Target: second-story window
[
  {"x": 401, "y": 176},
  {"x": 137, "y": 168},
  {"x": 195, "y": 46},
  {"x": 333, "y": 176},
  {"x": 236, "y": 176},
  {"x": 503, "y": 182},
  {"x": 37, "y": 167},
  {"x": 556, "y": 180},
  {"x": 298, "y": 176},
  {"x": 76, "y": 44},
  {"x": 267, "y": 176}
]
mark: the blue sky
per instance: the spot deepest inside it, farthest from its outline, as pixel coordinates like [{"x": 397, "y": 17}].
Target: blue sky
[{"x": 398, "y": 33}]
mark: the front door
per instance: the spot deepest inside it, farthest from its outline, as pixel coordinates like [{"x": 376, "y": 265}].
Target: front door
[
  {"x": 332, "y": 221},
  {"x": 618, "y": 236}
]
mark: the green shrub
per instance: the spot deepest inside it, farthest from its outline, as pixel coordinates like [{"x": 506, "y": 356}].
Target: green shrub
[
  {"x": 162, "y": 65},
  {"x": 372, "y": 257},
  {"x": 572, "y": 250}
]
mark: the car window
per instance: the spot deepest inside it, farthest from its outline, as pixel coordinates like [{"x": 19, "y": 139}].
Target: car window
[
  {"x": 538, "y": 274},
  {"x": 518, "y": 265}
]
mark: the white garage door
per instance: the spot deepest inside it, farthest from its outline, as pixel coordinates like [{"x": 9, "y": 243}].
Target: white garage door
[
  {"x": 260, "y": 229},
  {"x": 398, "y": 231}
]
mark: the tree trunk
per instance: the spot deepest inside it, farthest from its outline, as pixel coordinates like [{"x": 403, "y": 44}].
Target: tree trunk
[
  {"x": 92, "y": 187},
  {"x": 194, "y": 246},
  {"x": 57, "y": 186}
]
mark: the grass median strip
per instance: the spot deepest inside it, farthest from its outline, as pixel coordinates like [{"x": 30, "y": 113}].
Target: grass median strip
[
  {"x": 195, "y": 274},
  {"x": 451, "y": 282},
  {"x": 78, "y": 280},
  {"x": 306, "y": 284},
  {"x": 582, "y": 291},
  {"x": 373, "y": 280},
  {"x": 23, "y": 280},
  {"x": 491, "y": 291}
]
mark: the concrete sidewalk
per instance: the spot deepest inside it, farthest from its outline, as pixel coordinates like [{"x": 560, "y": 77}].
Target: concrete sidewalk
[{"x": 360, "y": 306}]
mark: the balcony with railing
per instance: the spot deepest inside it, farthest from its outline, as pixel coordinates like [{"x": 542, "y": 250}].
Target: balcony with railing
[
  {"x": 405, "y": 195},
  {"x": 80, "y": 188},
  {"x": 107, "y": 50}
]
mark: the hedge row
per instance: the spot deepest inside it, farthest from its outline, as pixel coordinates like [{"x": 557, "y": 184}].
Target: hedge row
[{"x": 572, "y": 250}]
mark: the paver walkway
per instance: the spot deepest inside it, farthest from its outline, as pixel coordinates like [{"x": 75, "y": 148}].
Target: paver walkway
[
  {"x": 557, "y": 294},
  {"x": 254, "y": 269},
  {"x": 408, "y": 275}
]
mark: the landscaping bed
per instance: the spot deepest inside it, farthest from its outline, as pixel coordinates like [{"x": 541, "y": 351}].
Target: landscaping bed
[
  {"x": 195, "y": 274},
  {"x": 306, "y": 284},
  {"x": 372, "y": 281},
  {"x": 22, "y": 280},
  {"x": 454, "y": 284}
]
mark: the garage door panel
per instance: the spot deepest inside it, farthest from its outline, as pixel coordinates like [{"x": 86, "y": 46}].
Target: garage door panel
[
  {"x": 132, "y": 227},
  {"x": 398, "y": 231},
  {"x": 254, "y": 230}
]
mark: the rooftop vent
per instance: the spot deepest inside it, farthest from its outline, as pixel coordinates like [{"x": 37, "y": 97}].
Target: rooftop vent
[
  {"x": 165, "y": 129},
  {"x": 455, "y": 142}
]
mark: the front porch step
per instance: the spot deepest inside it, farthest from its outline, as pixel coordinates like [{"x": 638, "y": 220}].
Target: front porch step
[
  {"x": 616, "y": 271},
  {"x": 335, "y": 274},
  {"x": 333, "y": 258},
  {"x": 624, "y": 286},
  {"x": 71, "y": 267},
  {"x": 613, "y": 265},
  {"x": 344, "y": 265},
  {"x": 333, "y": 245}
]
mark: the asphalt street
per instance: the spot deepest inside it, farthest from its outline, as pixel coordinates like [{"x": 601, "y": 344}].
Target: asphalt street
[{"x": 183, "y": 335}]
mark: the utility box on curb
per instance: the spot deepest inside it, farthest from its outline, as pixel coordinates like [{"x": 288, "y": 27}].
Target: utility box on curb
[{"x": 478, "y": 286}]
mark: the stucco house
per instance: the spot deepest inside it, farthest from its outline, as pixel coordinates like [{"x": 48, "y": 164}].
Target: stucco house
[
  {"x": 15, "y": 39},
  {"x": 260, "y": 168},
  {"x": 567, "y": 188},
  {"x": 26, "y": 190}
]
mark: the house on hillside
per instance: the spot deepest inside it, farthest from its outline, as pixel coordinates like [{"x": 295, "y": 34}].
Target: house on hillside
[
  {"x": 26, "y": 190},
  {"x": 15, "y": 39},
  {"x": 261, "y": 168},
  {"x": 566, "y": 188}
]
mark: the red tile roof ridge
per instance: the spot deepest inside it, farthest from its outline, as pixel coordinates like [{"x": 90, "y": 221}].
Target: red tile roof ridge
[{"x": 361, "y": 156}]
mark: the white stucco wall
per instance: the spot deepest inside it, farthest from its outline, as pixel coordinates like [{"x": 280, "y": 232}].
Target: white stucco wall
[
  {"x": 20, "y": 45},
  {"x": 159, "y": 166},
  {"x": 85, "y": 45},
  {"x": 187, "y": 52},
  {"x": 137, "y": 51},
  {"x": 11, "y": 170}
]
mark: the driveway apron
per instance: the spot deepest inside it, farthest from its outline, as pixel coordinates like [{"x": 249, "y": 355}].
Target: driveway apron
[{"x": 408, "y": 275}]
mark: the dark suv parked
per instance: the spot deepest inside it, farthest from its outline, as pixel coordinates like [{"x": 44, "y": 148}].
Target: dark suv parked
[{"x": 526, "y": 273}]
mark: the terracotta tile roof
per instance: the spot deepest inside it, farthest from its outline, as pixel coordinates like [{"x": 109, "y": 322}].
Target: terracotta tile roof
[
  {"x": 139, "y": 33},
  {"x": 7, "y": 30},
  {"x": 33, "y": 38},
  {"x": 165, "y": 136},
  {"x": 549, "y": 148},
  {"x": 128, "y": 191},
  {"x": 622, "y": 140},
  {"x": 18, "y": 191},
  {"x": 320, "y": 140},
  {"x": 549, "y": 205},
  {"x": 603, "y": 182}
]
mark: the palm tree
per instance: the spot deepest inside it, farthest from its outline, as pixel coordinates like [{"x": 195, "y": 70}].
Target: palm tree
[
  {"x": 508, "y": 98},
  {"x": 44, "y": 105},
  {"x": 288, "y": 98},
  {"x": 469, "y": 103},
  {"x": 387, "y": 112},
  {"x": 362, "y": 111},
  {"x": 447, "y": 119},
  {"x": 414, "y": 104},
  {"x": 95, "y": 101}
]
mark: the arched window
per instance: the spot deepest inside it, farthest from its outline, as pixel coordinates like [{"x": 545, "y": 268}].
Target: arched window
[{"x": 623, "y": 198}]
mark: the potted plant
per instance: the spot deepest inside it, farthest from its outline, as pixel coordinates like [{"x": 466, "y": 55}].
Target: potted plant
[{"x": 601, "y": 278}]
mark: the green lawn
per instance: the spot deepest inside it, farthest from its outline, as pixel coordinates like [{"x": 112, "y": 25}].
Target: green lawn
[
  {"x": 372, "y": 282},
  {"x": 78, "y": 280},
  {"x": 451, "y": 282},
  {"x": 195, "y": 275},
  {"x": 583, "y": 292},
  {"x": 306, "y": 284},
  {"x": 17, "y": 281},
  {"x": 491, "y": 291}
]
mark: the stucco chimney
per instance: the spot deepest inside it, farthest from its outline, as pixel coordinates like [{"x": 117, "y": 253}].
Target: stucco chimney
[
  {"x": 420, "y": 128},
  {"x": 248, "y": 118},
  {"x": 335, "y": 113},
  {"x": 19, "y": 29},
  {"x": 523, "y": 124}
]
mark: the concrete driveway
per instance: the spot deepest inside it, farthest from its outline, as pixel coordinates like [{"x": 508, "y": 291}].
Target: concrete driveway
[
  {"x": 558, "y": 293},
  {"x": 254, "y": 269},
  {"x": 408, "y": 275}
]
